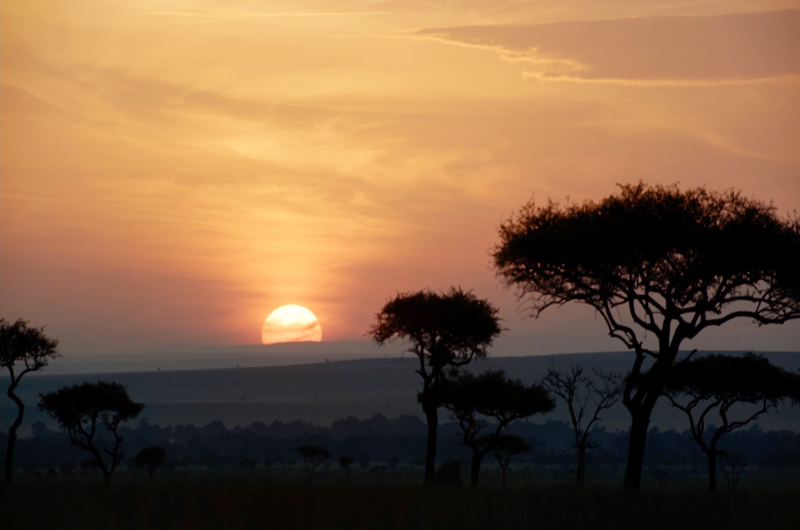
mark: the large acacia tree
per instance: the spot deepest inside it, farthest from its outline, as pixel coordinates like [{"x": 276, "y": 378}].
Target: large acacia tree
[
  {"x": 444, "y": 331},
  {"x": 659, "y": 265},
  {"x": 484, "y": 405},
  {"x": 736, "y": 390},
  {"x": 23, "y": 349},
  {"x": 81, "y": 409}
]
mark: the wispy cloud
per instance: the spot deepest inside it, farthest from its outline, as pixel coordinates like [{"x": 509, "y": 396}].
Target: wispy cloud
[
  {"x": 657, "y": 51},
  {"x": 282, "y": 14}
]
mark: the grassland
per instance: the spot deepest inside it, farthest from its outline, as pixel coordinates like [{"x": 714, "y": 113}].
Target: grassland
[{"x": 237, "y": 503}]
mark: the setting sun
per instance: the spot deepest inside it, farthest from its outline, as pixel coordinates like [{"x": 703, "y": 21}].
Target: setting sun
[{"x": 291, "y": 323}]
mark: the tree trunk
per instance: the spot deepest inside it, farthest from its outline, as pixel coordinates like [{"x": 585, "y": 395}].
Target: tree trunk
[
  {"x": 640, "y": 420},
  {"x": 504, "y": 476},
  {"x": 475, "y": 468},
  {"x": 12, "y": 436},
  {"x": 432, "y": 416},
  {"x": 580, "y": 472},
  {"x": 712, "y": 471}
]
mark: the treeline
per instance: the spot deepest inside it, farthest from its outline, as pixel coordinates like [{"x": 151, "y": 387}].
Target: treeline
[{"x": 386, "y": 445}]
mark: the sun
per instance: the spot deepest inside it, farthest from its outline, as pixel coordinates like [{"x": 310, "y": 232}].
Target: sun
[{"x": 291, "y": 323}]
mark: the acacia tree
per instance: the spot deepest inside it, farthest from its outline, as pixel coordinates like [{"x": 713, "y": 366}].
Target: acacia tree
[
  {"x": 313, "y": 457},
  {"x": 150, "y": 459},
  {"x": 579, "y": 391},
  {"x": 700, "y": 386},
  {"x": 659, "y": 265},
  {"x": 486, "y": 404},
  {"x": 345, "y": 462},
  {"x": 445, "y": 331},
  {"x": 32, "y": 350},
  {"x": 506, "y": 447},
  {"x": 79, "y": 408}
]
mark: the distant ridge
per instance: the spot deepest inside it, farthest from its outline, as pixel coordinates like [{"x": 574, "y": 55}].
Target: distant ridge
[{"x": 322, "y": 392}]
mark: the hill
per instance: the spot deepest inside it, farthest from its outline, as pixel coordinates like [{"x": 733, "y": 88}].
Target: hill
[{"x": 321, "y": 393}]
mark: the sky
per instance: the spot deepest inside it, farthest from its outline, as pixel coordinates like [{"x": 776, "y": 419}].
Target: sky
[{"x": 173, "y": 171}]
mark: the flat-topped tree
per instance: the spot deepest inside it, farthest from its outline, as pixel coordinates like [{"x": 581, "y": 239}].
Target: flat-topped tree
[
  {"x": 79, "y": 409},
  {"x": 150, "y": 459},
  {"x": 659, "y": 265},
  {"x": 736, "y": 390},
  {"x": 484, "y": 405},
  {"x": 313, "y": 457},
  {"x": 23, "y": 349},
  {"x": 445, "y": 331}
]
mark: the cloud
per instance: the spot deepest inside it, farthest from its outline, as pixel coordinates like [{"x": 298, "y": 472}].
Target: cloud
[
  {"x": 672, "y": 50},
  {"x": 275, "y": 14}
]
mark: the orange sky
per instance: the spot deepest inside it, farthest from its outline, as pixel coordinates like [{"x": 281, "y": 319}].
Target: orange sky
[{"x": 172, "y": 171}]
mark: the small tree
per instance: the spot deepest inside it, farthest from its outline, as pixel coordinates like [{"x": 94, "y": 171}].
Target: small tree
[
  {"x": 150, "y": 459},
  {"x": 313, "y": 457},
  {"x": 346, "y": 462},
  {"x": 507, "y": 447},
  {"x": 586, "y": 397},
  {"x": 659, "y": 265},
  {"x": 699, "y": 386},
  {"x": 474, "y": 400},
  {"x": 32, "y": 350},
  {"x": 732, "y": 465},
  {"x": 79, "y": 408},
  {"x": 445, "y": 331}
]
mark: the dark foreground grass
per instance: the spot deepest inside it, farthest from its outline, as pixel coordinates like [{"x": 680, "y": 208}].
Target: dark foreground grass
[{"x": 243, "y": 505}]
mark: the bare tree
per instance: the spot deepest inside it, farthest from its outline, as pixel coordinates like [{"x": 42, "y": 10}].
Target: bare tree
[
  {"x": 586, "y": 397},
  {"x": 32, "y": 350}
]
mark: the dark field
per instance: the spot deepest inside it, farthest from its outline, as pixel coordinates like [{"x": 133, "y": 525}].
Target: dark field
[{"x": 244, "y": 503}]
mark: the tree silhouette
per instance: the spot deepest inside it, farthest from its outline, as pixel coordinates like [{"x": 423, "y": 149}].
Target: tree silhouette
[
  {"x": 505, "y": 448},
  {"x": 79, "y": 408},
  {"x": 474, "y": 400},
  {"x": 579, "y": 391},
  {"x": 346, "y": 462},
  {"x": 732, "y": 466},
  {"x": 699, "y": 386},
  {"x": 313, "y": 457},
  {"x": 659, "y": 265},
  {"x": 445, "y": 331},
  {"x": 150, "y": 459},
  {"x": 32, "y": 350}
]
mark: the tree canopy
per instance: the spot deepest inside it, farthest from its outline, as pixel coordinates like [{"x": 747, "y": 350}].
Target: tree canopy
[
  {"x": 23, "y": 349},
  {"x": 313, "y": 457},
  {"x": 693, "y": 258},
  {"x": 659, "y": 265},
  {"x": 446, "y": 329},
  {"x": 150, "y": 459},
  {"x": 78, "y": 408}
]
